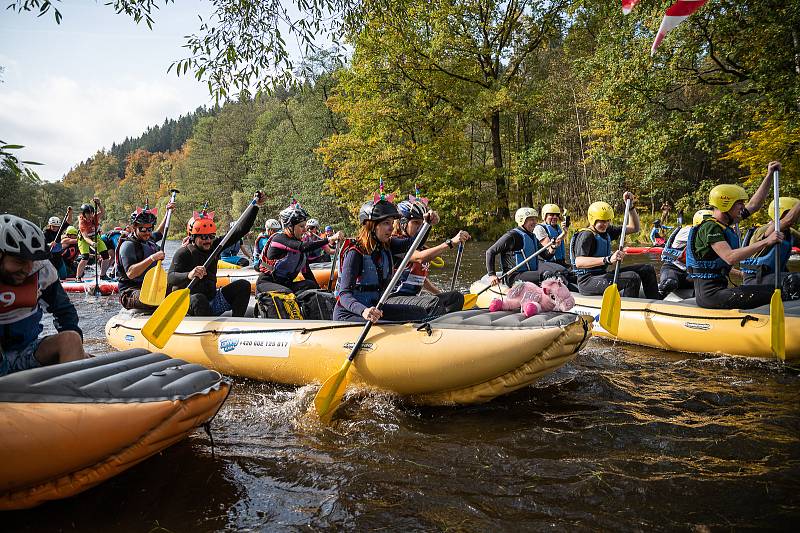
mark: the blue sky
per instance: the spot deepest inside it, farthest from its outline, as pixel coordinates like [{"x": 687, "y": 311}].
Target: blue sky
[{"x": 71, "y": 89}]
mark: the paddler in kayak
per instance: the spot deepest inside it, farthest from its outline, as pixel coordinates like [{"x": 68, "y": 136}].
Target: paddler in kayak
[
  {"x": 271, "y": 227},
  {"x": 759, "y": 268},
  {"x": 415, "y": 275},
  {"x": 50, "y": 233},
  {"x": 673, "y": 275},
  {"x": 187, "y": 264},
  {"x": 137, "y": 253},
  {"x": 320, "y": 255},
  {"x": 517, "y": 244},
  {"x": 29, "y": 285},
  {"x": 286, "y": 256},
  {"x": 367, "y": 266},
  {"x": 713, "y": 248},
  {"x": 592, "y": 255}
]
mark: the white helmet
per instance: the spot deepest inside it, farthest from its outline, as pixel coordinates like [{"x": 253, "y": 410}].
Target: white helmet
[
  {"x": 22, "y": 238},
  {"x": 272, "y": 224},
  {"x": 312, "y": 223},
  {"x": 53, "y": 221},
  {"x": 524, "y": 213}
]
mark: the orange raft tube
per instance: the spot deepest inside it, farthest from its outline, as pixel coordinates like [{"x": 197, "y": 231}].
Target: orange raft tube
[
  {"x": 321, "y": 271},
  {"x": 68, "y": 427}
]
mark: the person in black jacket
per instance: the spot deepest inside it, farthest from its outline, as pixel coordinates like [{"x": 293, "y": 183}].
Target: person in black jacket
[
  {"x": 187, "y": 264},
  {"x": 29, "y": 286}
]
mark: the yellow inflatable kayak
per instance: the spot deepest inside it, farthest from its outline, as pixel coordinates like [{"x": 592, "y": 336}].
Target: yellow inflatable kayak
[
  {"x": 68, "y": 427},
  {"x": 682, "y": 326},
  {"x": 460, "y": 358},
  {"x": 321, "y": 271}
]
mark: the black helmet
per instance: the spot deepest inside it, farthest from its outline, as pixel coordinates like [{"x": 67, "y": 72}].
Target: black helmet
[
  {"x": 22, "y": 238},
  {"x": 657, "y": 222},
  {"x": 377, "y": 211},
  {"x": 293, "y": 215},
  {"x": 142, "y": 216},
  {"x": 412, "y": 210},
  {"x": 86, "y": 208}
]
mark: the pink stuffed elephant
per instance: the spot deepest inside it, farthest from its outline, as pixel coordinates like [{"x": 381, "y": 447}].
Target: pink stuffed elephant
[{"x": 525, "y": 296}]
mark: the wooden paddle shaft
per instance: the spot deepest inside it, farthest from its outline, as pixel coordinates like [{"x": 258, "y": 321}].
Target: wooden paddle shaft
[
  {"x": 622, "y": 236},
  {"x": 398, "y": 272}
]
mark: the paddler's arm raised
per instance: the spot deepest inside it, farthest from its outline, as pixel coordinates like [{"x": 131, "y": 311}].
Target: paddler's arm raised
[
  {"x": 757, "y": 200},
  {"x": 238, "y": 232}
]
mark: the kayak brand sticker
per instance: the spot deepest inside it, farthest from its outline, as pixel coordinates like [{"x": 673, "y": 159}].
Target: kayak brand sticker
[
  {"x": 129, "y": 338},
  {"x": 697, "y": 325},
  {"x": 365, "y": 346},
  {"x": 272, "y": 344}
]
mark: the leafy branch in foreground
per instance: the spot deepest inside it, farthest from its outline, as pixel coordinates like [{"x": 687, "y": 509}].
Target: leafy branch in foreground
[{"x": 9, "y": 160}]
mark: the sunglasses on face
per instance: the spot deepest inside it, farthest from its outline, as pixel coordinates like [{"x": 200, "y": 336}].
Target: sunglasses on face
[
  {"x": 208, "y": 237},
  {"x": 146, "y": 229}
]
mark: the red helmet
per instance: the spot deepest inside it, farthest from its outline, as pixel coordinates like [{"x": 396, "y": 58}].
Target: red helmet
[{"x": 201, "y": 224}]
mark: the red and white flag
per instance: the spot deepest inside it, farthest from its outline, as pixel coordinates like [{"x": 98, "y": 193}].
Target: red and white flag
[
  {"x": 628, "y": 5},
  {"x": 676, "y": 13}
]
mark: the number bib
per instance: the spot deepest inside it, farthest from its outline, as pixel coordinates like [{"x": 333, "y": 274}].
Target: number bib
[{"x": 23, "y": 296}]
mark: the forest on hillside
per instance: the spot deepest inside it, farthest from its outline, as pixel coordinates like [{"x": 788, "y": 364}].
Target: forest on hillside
[{"x": 485, "y": 106}]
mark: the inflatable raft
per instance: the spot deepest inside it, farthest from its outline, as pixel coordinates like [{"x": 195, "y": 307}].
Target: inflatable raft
[
  {"x": 68, "y": 427},
  {"x": 322, "y": 272},
  {"x": 460, "y": 358},
  {"x": 87, "y": 285},
  {"x": 681, "y": 326},
  {"x": 638, "y": 250}
]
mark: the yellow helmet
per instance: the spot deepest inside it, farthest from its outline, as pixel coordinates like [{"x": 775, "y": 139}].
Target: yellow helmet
[
  {"x": 524, "y": 213},
  {"x": 550, "y": 209},
  {"x": 701, "y": 215},
  {"x": 785, "y": 203},
  {"x": 600, "y": 211},
  {"x": 724, "y": 196}
]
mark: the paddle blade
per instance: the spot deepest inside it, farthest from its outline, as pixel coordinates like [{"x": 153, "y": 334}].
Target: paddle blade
[
  {"x": 469, "y": 301},
  {"x": 776, "y": 322},
  {"x": 330, "y": 394},
  {"x": 154, "y": 286},
  {"x": 610, "y": 309},
  {"x": 166, "y": 318}
]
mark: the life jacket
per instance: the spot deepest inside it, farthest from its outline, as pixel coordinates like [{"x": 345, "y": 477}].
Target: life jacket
[
  {"x": 115, "y": 236},
  {"x": 763, "y": 262},
  {"x": 656, "y": 237},
  {"x": 530, "y": 244},
  {"x": 602, "y": 248},
  {"x": 286, "y": 267},
  {"x": 87, "y": 226},
  {"x": 374, "y": 277},
  {"x": 708, "y": 268},
  {"x": 20, "y": 311},
  {"x": 553, "y": 232},
  {"x": 413, "y": 279},
  {"x": 671, "y": 253},
  {"x": 141, "y": 250},
  {"x": 260, "y": 246},
  {"x": 232, "y": 250}
]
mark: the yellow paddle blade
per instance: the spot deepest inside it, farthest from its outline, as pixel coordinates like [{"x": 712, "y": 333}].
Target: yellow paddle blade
[
  {"x": 469, "y": 301},
  {"x": 610, "y": 309},
  {"x": 154, "y": 287},
  {"x": 160, "y": 327},
  {"x": 776, "y": 322},
  {"x": 330, "y": 394}
]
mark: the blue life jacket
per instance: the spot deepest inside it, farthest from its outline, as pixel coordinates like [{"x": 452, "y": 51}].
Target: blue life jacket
[
  {"x": 260, "y": 246},
  {"x": 602, "y": 248},
  {"x": 708, "y": 268},
  {"x": 530, "y": 244},
  {"x": 670, "y": 253},
  {"x": 553, "y": 232},
  {"x": 373, "y": 278},
  {"x": 232, "y": 250},
  {"x": 765, "y": 263},
  {"x": 412, "y": 279}
]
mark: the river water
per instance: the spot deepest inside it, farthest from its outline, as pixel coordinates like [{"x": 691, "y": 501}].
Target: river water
[{"x": 623, "y": 438}]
